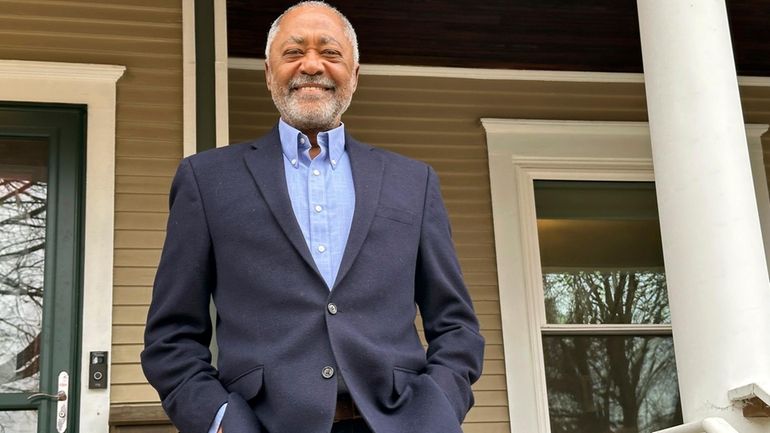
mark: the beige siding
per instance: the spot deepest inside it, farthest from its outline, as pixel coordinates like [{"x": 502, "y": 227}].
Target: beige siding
[
  {"x": 756, "y": 109},
  {"x": 437, "y": 120},
  {"x": 146, "y": 37}
]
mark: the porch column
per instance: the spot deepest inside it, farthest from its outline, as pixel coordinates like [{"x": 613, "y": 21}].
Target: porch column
[{"x": 712, "y": 243}]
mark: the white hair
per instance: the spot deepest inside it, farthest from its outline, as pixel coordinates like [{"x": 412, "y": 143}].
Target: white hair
[{"x": 347, "y": 27}]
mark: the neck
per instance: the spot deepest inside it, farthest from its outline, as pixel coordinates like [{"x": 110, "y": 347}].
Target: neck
[{"x": 312, "y": 135}]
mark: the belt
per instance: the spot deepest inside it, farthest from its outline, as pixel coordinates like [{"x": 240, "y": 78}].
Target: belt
[{"x": 346, "y": 409}]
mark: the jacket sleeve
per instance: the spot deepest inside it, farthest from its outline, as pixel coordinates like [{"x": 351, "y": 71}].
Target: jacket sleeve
[
  {"x": 455, "y": 347},
  {"x": 176, "y": 357}
]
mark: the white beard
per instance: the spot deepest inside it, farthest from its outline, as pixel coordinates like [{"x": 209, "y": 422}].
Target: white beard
[{"x": 312, "y": 112}]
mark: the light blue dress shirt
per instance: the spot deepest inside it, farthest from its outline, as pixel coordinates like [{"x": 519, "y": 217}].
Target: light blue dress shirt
[
  {"x": 322, "y": 194},
  {"x": 323, "y": 199}
]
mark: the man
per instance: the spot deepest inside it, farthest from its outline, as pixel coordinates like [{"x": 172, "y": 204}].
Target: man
[{"x": 317, "y": 251}]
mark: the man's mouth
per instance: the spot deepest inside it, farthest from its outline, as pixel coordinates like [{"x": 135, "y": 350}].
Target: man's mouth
[
  {"x": 311, "y": 88},
  {"x": 314, "y": 85}
]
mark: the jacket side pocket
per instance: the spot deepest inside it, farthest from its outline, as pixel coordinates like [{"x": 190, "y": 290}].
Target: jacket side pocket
[{"x": 248, "y": 384}]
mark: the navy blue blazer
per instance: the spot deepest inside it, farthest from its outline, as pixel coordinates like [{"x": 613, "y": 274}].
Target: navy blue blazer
[{"x": 232, "y": 235}]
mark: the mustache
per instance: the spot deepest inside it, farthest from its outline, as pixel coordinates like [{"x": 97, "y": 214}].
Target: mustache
[{"x": 318, "y": 80}]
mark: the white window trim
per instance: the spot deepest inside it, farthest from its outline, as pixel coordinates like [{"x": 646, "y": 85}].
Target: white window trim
[
  {"x": 521, "y": 151},
  {"x": 94, "y": 86}
]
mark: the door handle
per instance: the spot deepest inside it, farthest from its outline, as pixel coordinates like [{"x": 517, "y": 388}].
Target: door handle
[
  {"x": 61, "y": 396},
  {"x": 61, "y": 401}
]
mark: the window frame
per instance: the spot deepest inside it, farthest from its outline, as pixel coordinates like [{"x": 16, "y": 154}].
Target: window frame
[{"x": 521, "y": 151}]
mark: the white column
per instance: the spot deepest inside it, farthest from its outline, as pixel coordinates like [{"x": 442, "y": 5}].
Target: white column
[{"x": 715, "y": 261}]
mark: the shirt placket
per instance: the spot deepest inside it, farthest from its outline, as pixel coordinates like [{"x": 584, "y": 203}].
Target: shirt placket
[{"x": 320, "y": 239}]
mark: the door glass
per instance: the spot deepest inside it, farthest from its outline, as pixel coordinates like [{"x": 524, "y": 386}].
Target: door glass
[
  {"x": 23, "y": 190},
  {"x": 20, "y": 421},
  {"x": 608, "y": 351}
]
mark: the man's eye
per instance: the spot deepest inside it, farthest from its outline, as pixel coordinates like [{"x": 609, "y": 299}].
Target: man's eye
[
  {"x": 292, "y": 53},
  {"x": 331, "y": 53}
]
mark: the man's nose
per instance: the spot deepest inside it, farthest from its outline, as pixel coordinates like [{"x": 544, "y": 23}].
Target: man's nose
[{"x": 312, "y": 64}]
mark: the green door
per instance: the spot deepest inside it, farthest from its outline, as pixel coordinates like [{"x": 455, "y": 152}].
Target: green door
[{"x": 41, "y": 202}]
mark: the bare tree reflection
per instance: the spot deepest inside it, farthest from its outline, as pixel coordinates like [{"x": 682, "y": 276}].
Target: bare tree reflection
[
  {"x": 602, "y": 384},
  {"x": 21, "y": 421},
  {"x": 22, "y": 247},
  {"x": 609, "y": 297}
]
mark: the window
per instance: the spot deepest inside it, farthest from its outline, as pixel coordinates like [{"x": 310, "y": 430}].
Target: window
[
  {"x": 557, "y": 185},
  {"x": 607, "y": 346}
]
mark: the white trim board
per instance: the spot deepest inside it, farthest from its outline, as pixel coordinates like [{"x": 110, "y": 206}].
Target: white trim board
[
  {"x": 493, "y": 74},
  {"x": 94, "y": 86},
  {"x": 189, "y": 132},
  {"x": 221, "y": 97},
  {"x": 523, "y": 150}
]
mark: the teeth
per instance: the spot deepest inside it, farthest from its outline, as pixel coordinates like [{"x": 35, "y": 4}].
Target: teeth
[{"x": 311, "y": 87}]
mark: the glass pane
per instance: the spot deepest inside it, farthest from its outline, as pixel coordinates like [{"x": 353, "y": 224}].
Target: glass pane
[
  {"x": 23, "y": 189},
  {"x": 22, "y": 421},
  {"x": 604, "y": 297},
  {"x": 601, "y": 253},
  {"x": 611, "y": 384}
]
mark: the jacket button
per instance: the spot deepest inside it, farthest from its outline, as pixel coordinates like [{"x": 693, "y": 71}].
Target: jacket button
[
  {"x": 327, "y": 372},
  {"x": 332, "y": 308}
]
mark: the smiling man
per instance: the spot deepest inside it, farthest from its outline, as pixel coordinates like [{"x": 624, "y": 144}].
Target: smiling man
[{"x": 318, "y": 251}]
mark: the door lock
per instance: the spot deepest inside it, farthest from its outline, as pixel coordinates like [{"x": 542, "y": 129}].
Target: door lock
[{"x": 61, "y": 401}]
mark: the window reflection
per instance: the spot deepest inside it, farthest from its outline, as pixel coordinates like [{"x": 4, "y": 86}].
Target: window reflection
[
  {"x": 23, "y": 206},
  {"x": 602, "y": 264},
  {"x": 611, "y": 384},
  {"x": 606, "y": 297},
  {"x": 21, "y": 421}
]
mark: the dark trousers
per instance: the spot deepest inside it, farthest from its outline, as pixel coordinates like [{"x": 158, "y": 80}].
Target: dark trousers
[{"x": 353, "y": 426}]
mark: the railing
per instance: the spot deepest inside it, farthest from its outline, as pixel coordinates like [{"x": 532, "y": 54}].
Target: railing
[{"x": 707, "y": 425}]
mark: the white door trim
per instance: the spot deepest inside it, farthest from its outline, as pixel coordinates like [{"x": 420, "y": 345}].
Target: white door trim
[{"x": 94, "y": 86}]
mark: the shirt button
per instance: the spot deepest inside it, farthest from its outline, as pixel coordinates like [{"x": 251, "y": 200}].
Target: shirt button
[
  {"x": 302, "y": 140},
  {"x": 332, "y": 308},
  {"x": 334, "y": 161},
  {"x": 318, "y": 208},
  {"x": 321, "y": 248},
  {"x": 293, "y": 162},
  {"x": 327, "y": 372},
  {"x": 316, "y": 172}
]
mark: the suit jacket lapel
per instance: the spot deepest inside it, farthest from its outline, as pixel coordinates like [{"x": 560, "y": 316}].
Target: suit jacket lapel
[
  {"x": 367, "y": 167},
  {"x": 265, "y": 162}
]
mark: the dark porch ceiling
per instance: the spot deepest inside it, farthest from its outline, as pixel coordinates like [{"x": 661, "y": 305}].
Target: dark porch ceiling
[{"x": 577, "y": 35}]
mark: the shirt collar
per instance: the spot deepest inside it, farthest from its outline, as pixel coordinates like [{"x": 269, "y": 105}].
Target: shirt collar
[{"x": 294, "y": 143}]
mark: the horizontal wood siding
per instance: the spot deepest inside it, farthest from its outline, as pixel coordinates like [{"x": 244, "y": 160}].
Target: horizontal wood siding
[{"x": 146, "y": 37}]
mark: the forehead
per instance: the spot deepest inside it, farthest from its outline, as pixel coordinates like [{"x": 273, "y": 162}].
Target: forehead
[{"x": 312, "y": 21}]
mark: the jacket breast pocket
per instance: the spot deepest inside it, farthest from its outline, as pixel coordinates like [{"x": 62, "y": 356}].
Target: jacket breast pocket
[
  {"x": 399, "y": 215},
  {"x": 248, "y": 384}
]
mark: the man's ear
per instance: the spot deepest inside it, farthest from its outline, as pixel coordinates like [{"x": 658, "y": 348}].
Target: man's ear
[
  {"x": 356, "y": 70},
  {"x": 268, "y": 77}
]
